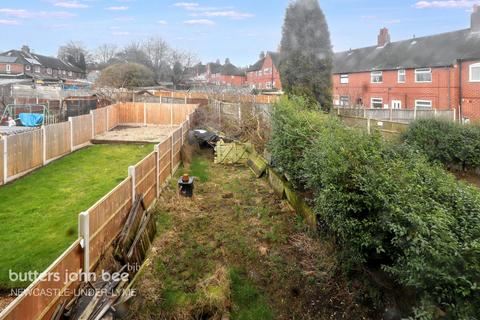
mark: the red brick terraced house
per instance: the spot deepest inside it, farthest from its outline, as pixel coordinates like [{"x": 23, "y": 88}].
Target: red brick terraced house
[
  {"x": 264, "y": 74},
  {"x": 439, "y": 71},
  {"x": 227, "y": 75},
  {"x": 23, "y": 64}
]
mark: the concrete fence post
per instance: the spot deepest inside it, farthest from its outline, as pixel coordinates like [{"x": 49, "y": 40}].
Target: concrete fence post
[
  {"x": 44, "y": 145},
  {"x": 171, "y": 154},
  {"x": 435, "y": 113},
  {"x": 454, "y": 115},
  {"x": 144, "y": 114},
  {"x": 131, "y": 173},
  {"x": 368, "y": 126},
  {"x": 93, "y": 124},
  {"x": 157, "y": 166},
  {"x": 70, "y": 120},
  {"x": 5, "y": 159},
  {"x": 84, "y": 234},
  {"x": 415, "y": 113}
]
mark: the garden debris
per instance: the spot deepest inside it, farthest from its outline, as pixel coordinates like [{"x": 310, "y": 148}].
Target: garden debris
[
  {"x": 257, "y": 164},
  {"x": 105, "y": 298},
  {"x": 232, "y": 153}
]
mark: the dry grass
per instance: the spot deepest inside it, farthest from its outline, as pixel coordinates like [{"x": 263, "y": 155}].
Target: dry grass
[{"x": 238, "y": 252}]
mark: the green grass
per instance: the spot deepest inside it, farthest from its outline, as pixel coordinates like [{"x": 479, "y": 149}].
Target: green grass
[
  {"x": 248, "y": 302},
  {"x": 38, "y": 214}
]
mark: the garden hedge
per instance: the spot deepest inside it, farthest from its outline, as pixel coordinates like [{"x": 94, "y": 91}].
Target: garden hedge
[
  {"x": 388, "y": 207},
  {"x": 452, "y": 144}
]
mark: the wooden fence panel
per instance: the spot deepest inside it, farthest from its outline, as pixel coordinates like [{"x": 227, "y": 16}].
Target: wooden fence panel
[
  {"x": 107, "y": 217},
  {"x": 177, "y": 146},
  {"x": 159, "y": 114},
  {"x": 112, "y": 116},
  {"x": 2, "y": 180},
  {"x": 57, "y": 140},
  {"x": 100, "y": 120},
  {"x": 130, "y": 113},
  {"x": 180, "y": 112},
  {"x": 35, "y": 302},
  {"x": 82, "y": 129},
  {"x": 25, "y": 152},
  {"x": 146, "y": 180},
  {"x": 165, "y": 160}
]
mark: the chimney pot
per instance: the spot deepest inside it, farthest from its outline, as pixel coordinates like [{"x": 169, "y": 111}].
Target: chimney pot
[
  {"x": 383, "y": 37},
  {"x": 475, "y": 22}
]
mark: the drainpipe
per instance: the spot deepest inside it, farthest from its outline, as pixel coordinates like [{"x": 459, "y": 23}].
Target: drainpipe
[
  {"x": 449, "y": 87},
  {"x": 460, "y": 90}
]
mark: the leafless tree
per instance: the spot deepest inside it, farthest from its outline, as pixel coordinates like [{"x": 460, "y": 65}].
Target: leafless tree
[{"x": 105, "y": 53}]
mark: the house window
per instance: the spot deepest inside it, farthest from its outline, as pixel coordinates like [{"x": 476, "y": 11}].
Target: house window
[
  {"x": 28, "y": 68},
  {"x": 423, "y": 75},
  {"x": 8, "y": 68},
  {"x": 64, "y": 72},
  {"x": 377, "y": 76},
  {"x": 70, "y": 73},
  {"x": 344, "y": 101},
  {"x": 423, "y": 104},
  {"x": 49, "y": 70},
  {"x": 37, "y": 69},
  {"x": 402, "y": 76},
  {"x": 266, "y": 71},
  {"x": 344, "y": 78},
  {"x": 475, "y": 72},
  {"x": 377, "y": 103},
  {"x": 268, "y": 85}
]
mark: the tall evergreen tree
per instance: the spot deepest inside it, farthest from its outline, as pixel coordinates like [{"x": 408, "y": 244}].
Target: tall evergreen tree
[{"x": 306, "y": 53}]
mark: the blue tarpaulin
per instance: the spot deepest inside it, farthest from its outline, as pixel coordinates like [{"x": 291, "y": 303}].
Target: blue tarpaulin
[{"x": 31, "y": 119}]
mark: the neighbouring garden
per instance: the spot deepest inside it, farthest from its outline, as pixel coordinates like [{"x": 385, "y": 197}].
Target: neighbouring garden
[
  {"x": 39, "y": 212},
  {"x": 400, "y": 221}
]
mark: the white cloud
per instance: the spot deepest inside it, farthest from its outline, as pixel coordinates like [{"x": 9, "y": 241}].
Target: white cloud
[
  {"x": 70, "y": 5},
  {"x": 232, "y": 14},
  {"x": 446, "y": 4},
  {"x": 203, "y": 22},
  {"x": 187, "y": 5},
  {"x": 25, "y": 14},
  {"x": 124, "y": 19},
  {"x": 117, "y": 8},
  {"x": 8, "y": 22},
  {"x": 162, "y": 22}
]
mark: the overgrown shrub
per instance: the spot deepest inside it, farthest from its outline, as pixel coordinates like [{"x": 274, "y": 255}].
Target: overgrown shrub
[
  {"x": 388, "y": 207},
  {"x": 296, "y": 127},
  {"x": 449, "y": 143}
]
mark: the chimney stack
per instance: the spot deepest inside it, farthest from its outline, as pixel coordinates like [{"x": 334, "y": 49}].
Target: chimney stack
[
  {"x": 383, "y": 37},
  {"x": 475, "y": 24}
]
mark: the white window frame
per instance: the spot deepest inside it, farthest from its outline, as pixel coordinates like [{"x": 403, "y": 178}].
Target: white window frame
[
  {"x": 49, "y": 70},
  {"x": 343, "y": 103},
  {"x": 402, "y": 72},
  {"x": 8, "y": 68},
  {"x": 475, "y": 65},
  {"x": 344, "y": 79},
  {"x": 423, "y": 71},
  {"x": 423, "y": 107},
  {"x": 38, "y": 69},
  {"x": 70, "y": 73},
  {"x": 379, "y": 100},
  {"x": 375, "y": 74}
]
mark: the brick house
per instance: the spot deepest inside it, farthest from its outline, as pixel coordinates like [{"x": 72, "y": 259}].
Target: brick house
[
  {"x": 440, "y": 71},
  {"x": 226, "y": 75},
  {"x": 264, "y": 74},
  {"x": 24, "y": 64}
]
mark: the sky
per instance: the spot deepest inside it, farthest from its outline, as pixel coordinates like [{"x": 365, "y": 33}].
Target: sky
[{"x": 216, "y": 29}]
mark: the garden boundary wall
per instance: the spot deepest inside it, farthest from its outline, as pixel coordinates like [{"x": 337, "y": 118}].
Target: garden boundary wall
[
  {"x": 387, "y": 128},
  {"x": 24, "y": 152},
  {"x": 99, "y": 225}
]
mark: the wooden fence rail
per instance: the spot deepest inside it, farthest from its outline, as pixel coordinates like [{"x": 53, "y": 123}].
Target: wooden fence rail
[{"x": 99, "y": 225}]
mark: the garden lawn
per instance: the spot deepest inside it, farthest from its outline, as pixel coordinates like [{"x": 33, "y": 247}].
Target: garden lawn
[{"x": 39, "y": 212}]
